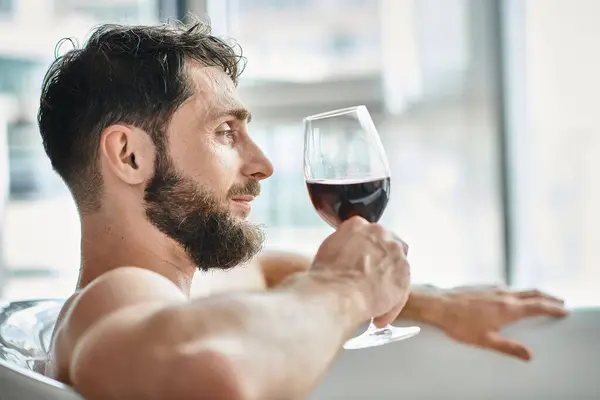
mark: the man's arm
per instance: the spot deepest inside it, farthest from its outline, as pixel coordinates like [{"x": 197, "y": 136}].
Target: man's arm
[
  {"x": 472, "y": 315},
  {"x": 424, "y": 303},
  {"x": 224, "y": 347}
]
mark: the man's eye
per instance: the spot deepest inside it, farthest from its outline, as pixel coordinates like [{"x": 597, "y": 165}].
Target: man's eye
[{"x": 229, "y": 134}]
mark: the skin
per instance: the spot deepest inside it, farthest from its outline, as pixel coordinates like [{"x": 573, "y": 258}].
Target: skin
[
  {"x": 471, "y": 315},
  {"x": 131, "y": 331}
]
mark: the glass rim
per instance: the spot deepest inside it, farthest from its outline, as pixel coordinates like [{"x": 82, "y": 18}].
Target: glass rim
[{"x": 334, "y": 113}]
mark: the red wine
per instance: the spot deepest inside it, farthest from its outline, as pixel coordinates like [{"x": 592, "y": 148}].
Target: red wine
[{"x": 337, "y": 201}]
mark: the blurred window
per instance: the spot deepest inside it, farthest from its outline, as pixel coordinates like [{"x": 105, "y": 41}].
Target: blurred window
[
  {"x": 556, "y": 144},
  {"x": 430, "y": 73},
  {"x": 6, "y": 7},
  {"x": 41, "y": 227},
  {"x": 442, "y": 147}
]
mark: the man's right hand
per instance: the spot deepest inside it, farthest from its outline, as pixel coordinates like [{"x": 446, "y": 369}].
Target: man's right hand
[{"x": 371, "y": 259}]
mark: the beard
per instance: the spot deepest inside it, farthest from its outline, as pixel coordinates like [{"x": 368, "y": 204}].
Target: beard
[{"x": 197, "y": 220}]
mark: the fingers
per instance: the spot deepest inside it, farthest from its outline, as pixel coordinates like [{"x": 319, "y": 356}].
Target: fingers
[
  {"x": 495, "y": 341},
  {"x": 389, "y": 236},
  {"x": 536, "y": 294},
  {"x": 353, "y": 223},
  {"x": 490, "y": 288},
  {"x": 357, "y": 222},
  {"x": 536, "y": 303},
  {"x": 389, "y": 317},
  {"x": 541, "y": 307},
  {"x": 386, "y": 271},
  {"x": 383, "y": 321},
  {"x": 404, "y": 244}
]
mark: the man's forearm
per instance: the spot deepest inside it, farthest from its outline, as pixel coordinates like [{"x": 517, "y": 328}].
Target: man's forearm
[
  {"x": 425, "y": 303},
  {"x": 280, "y": 342}
]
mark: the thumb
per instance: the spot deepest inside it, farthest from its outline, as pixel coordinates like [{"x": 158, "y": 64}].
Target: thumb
[
  {"x": 384, "y": 320},
  {"x": 495, "y": 341}
]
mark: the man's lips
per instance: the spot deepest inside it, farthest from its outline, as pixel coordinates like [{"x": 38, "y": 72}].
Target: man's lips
[
  {"x": 243, "y": 202},
  {"x": 243, "y": 199}
]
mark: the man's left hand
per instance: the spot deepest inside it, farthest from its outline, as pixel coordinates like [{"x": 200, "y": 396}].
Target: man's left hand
[{"x": 476, "y": 316}]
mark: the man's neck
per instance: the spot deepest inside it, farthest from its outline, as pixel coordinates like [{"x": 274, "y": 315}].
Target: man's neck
[{"x": 109, "y": 243}]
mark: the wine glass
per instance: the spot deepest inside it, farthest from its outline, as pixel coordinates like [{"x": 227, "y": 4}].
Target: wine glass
[{"x": 347, "y": 174}]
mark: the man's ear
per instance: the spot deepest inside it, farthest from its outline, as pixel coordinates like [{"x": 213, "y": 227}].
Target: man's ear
[{"x": 127, "y": 152}]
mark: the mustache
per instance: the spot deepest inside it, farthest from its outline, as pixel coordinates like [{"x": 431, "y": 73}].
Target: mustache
[{"x": 251, "y": 188}]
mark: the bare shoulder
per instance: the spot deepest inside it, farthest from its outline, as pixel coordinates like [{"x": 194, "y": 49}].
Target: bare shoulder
[{"x": 117, "y": 290}]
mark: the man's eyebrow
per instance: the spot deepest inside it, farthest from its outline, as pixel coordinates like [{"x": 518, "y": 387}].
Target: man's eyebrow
[{"x": 241, "y": 114}]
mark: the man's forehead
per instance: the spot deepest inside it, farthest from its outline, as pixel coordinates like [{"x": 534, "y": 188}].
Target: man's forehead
[{"x": 214, "y": 91}]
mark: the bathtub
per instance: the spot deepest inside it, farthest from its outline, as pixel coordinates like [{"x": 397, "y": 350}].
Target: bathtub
[{"x": 566, "y": 362}]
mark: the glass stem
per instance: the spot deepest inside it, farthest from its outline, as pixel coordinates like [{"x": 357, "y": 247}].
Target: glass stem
[{"x": 372, "y": 326}]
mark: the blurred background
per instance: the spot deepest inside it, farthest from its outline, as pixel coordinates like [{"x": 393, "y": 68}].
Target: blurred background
[{"x": 487, "y": 110}]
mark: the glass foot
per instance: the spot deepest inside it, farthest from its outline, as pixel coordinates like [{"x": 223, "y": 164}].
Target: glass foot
[{"x": 379, "y": 336}]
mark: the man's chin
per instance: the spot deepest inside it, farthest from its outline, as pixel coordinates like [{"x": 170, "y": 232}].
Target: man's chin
[{"x": 239, "y": 217}]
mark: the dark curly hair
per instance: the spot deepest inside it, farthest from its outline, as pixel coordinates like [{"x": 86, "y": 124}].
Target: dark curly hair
[{"x": 123, "y": 74}]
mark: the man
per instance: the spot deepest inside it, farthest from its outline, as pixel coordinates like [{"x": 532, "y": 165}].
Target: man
[{"x": 145, "y": 126}]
